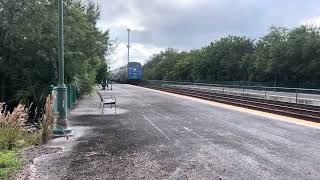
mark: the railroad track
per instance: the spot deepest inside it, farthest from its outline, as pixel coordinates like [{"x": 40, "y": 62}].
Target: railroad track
[{"x": 301, "y": 111}]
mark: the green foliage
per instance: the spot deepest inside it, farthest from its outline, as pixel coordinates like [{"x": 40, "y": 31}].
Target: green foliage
[
  {"x": 9, "y": 163},
  {"x": 102, "y": 73},
  {"x": 29, "y": 47},
  {"x": 85, "y": 82},
  {"x": 282, "y": 56}
]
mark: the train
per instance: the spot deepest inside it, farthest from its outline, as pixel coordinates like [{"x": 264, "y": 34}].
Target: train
[{"x": 132, "y": 73}]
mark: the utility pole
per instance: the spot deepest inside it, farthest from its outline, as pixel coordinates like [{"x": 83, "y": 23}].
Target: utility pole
[
  {"x": 128, "y": 51},
  {"x": 62, "y": 126}
]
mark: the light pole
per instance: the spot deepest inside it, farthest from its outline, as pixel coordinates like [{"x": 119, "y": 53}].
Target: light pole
[
  {"x": 128, "y": 51},
  {"x": 110, "y": 74},
  {"x": 61, "y": 126}
]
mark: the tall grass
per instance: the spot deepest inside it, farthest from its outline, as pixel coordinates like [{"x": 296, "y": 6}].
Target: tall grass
[
  {"x": 13, "y": 130},
  {"x": 48, "y": 120},
  {"x": 12, "y": 126}
]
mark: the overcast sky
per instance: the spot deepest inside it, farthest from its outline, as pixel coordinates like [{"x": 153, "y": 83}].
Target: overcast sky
[{"x": 187, "y": 24}]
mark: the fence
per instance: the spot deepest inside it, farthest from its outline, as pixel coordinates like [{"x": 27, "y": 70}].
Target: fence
[
  {"x": 72, "y": 96},
  {"x": 291, "y": 95},
  {"x": 302, "y": 85}
]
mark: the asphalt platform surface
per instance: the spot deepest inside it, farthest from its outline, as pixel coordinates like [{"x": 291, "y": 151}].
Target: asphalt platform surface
[{"x": 154, "y": 135}]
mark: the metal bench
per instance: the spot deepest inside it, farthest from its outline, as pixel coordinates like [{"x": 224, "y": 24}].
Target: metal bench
[{"x": 107, "y": 100}]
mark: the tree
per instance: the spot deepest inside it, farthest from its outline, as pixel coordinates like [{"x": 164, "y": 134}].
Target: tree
[
  {"x": 29, "y": 42},
  {"x": 283, "y": 57}
]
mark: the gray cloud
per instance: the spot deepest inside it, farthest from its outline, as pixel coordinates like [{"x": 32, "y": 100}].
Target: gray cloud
[
  {"x": 187, "y": 24},
  {"x": 175, "y": 24}
]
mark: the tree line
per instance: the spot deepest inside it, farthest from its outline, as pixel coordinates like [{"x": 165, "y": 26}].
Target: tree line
[
  {"x": 283, "y": 56},
  {"x": 29, "y": 48}
]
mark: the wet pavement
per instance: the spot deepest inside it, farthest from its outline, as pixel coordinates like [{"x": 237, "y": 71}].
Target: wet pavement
[{"x": 159, "y": 136}]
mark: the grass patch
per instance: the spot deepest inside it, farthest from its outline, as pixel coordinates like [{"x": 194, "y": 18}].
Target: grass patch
[{"x": 9, "y": 163}]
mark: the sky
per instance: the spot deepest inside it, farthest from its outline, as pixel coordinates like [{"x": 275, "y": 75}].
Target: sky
[{"x": 187, "y": 24}]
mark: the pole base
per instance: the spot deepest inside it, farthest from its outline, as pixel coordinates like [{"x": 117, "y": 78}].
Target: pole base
[{"x": 59, "y": 131}]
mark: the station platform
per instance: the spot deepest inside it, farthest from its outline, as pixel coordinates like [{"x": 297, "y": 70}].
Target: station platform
[{"x": 158, "y": 135}]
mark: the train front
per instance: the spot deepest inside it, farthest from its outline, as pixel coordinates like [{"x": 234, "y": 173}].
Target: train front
[{"x": 134, "y": 72}]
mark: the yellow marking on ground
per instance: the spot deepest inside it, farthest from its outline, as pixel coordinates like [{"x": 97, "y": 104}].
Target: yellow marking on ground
[{"x": 246, "y": 110}]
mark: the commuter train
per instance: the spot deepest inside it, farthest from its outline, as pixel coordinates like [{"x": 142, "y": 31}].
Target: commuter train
[{"x": 132, "y": 73}]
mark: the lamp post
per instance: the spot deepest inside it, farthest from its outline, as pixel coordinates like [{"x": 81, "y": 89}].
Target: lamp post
[
  {"x": 61, "y": 126},
  {"x": 128, "y": 51},
  {"x": 110, "y": 74}
]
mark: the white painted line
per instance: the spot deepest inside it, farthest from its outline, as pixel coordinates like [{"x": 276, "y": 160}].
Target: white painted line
[
  {"x": 192, "y": 132},
  {"x": 156, "y": 127}
]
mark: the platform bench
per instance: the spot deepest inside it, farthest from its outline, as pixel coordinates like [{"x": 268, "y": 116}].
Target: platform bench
[{"x": 107, "y": 100}]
